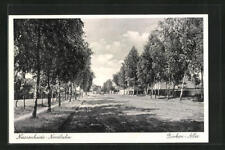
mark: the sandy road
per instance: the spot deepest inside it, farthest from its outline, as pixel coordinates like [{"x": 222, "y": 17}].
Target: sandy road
[{"x": 115, "y": 113}]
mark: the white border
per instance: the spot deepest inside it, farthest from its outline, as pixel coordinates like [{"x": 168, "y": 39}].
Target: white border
[{"x": 161, "y": 137}]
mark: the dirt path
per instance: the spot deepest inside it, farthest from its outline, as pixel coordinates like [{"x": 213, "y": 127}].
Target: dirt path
[
  {"x": 68, "y": 119},
  {"x": 116, "y": 113},
  {"x": 39, "y": 110},
  {"x": 111, "y": 113}
]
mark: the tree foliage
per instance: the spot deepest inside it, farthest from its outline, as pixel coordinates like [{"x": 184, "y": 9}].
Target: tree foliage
[
  {"x": 183, "y": 41},
  {"x": 122, "y": 77},
  {"x": 172, "y": 53},
  {"x": 116, "y": 79},
  {"x": 145, "y": 71},
  {"x": 52, "y": 48},
  {"x": 131, "y": 67},
  {"x": 107, "y": 86}
]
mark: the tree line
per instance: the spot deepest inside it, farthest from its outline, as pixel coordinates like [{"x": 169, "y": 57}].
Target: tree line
[
  {"x": 173, "y": 52},
  {"x": 55, "y": 53}
]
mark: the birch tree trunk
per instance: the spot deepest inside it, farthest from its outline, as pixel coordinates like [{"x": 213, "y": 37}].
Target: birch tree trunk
[
  {"x": 182, "y": 87},
  {"x": 42, "y": 101},
  {"x": 168, "y": 90},
  {"x": 75, "y": 88},
  {"x": 16, "y": 102},
  {"x": 146, "y": 91},
  {"x": 158, "y": 89},
  {"x": 151, "y": 91},
  {"x": 202, "y": 85},
  {"x": 155, "y": 92},
  {"x": 49, "y": 95},
  {"x": 71, "y": 92},
  {"x": 34, "y": 114},
  {"x": 65, "y": 94},
  {"x": 154, "y": 87},
  {"x": 24, "y": 103},
  {"x": 59, "y": 94},
  {"x": 173, "y": 90}
]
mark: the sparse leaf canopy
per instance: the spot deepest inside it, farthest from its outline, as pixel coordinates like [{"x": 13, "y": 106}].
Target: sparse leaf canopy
[{"x": 63, "y": 53}]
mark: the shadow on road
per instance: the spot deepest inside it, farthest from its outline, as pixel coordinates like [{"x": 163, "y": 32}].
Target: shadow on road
[
  {"x": 105, "y": 116},
  {"x": 110, "y": 118}
]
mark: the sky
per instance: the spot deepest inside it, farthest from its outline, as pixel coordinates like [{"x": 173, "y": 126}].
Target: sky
[{"x": 111, "y": 40}]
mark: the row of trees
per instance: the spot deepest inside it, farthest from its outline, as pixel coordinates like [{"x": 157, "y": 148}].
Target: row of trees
[
  {"x": 55, "y": 53},
  {"x": 172, "y": 53},
  {"x": 108, "y": 86}
]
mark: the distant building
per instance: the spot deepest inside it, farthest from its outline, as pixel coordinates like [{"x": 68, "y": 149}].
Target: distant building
[{"x": 161, "y": 88}]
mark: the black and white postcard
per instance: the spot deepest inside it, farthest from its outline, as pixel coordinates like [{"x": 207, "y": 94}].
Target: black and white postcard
[{"x": 108, "y": 78}]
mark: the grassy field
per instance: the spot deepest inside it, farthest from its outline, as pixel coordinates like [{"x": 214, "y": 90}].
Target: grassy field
[
  {"x": 47, "y": 121},
  {"x": 116, "y": 113},
  {"x": 29, "y": 105}
]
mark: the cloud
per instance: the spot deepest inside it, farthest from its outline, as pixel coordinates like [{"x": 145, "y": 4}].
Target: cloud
[
  {"x": 116, "y": 48},
  {"x": 101, "y": 46},
  {"x": 104, "y": 66},
  {"x": 112, "y": 39},
  {"x": 108, "y": 55},
  {"x": 98, "y": 46},
  {"x": 136, "y": 38},
  {"x": 108, "y": 47}
]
